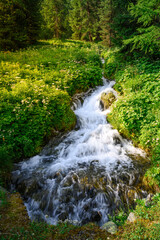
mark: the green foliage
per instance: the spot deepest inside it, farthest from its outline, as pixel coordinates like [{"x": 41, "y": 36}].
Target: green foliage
[
  {"x": 146, "y": 38},
  {"x": 19, "y": 23},
  {"x": 147, "y": 225},
  {"x": 83, "y": 19},
  {"x": 147, "y": 212},
  {"x": 34, "y": 100},
  {"x": 136, "y": 114},
  {"x": 113, "y": 62},
  {"x": 119, "y": 218},
  {"x": 35, "y": 231},
  {"x": 55, "y": 17},
  {"x": 3, "y": 199}
]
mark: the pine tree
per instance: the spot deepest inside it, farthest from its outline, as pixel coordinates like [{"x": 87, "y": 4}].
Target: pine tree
[
  {"x": 76, "y": 18},
  {"x": 12, "y": 24},
  {"x": 19, "y": 23},
  {"x": 116, "y": 23},
  {"x": 33, "y": 19},
  {"x": 55, "y": 13},
  {"x": 83, "y": 17},
  {"x": 147, "y": 37},
  {"x": 106, "y": 14},
  {"x": 123, "y": 23}
]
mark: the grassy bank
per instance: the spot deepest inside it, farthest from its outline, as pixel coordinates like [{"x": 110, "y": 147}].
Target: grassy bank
[
  {"x": 15, "y": 224},
  {"x": 36, "y": 86},
  {"x": 136, "y": 114}
]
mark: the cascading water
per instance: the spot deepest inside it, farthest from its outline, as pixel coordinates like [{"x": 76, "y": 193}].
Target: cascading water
[{"x": 87, "y": 175}]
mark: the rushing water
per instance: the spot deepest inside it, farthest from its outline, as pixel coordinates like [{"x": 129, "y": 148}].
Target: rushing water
[{"x": 85, "y": 175}]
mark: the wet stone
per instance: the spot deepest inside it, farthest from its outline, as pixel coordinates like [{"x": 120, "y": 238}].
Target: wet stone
[
  {"x": 116, "y": 139},
  {"x": 107, "y": 99},
  {"x": 78, "y": 124},
  {"x": 62, "y": 216},
  {"x": 67, "y": 182},
  {"x": 96, "y": 216}
]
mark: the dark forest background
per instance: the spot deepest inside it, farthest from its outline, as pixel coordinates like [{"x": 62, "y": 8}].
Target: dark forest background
[{"x": 130, "y": 24}]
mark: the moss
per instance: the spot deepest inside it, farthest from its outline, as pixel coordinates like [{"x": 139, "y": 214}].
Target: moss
[
  {"x": 89, "y": 231},
  {"x": 107, "y": 99},
  {"x": 14, "y": 214}
]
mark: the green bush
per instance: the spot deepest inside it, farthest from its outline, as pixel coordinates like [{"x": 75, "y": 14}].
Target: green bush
[
  {"x": 35, "y": 85},
  {"x": 136, "y": 114}
]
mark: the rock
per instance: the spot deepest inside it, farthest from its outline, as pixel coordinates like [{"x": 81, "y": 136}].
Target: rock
[
  {"x": 96, "y": 216},
  {"x": 72, "y": 222},
  {"x": 67, "y": 181},
  {"x": 110, "y": 227},
  {"x": 78, "y": 123},
  {"x": 107, "y": 99},
  {"x": 62, "y": 216},
  {"x": 131, "y": 218},
  {"x": 148, "y": 200}
]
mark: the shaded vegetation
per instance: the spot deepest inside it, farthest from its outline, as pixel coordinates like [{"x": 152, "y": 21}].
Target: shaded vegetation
[{"x": 19, "y": 23}]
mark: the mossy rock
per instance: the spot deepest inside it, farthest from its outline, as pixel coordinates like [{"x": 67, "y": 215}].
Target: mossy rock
[
  {"x": 110, "y": 227},
  {"x": 107, "y": 99}
]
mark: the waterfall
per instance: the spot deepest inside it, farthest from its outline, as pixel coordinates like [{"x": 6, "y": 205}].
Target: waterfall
[{"x": 87, "y": 175}]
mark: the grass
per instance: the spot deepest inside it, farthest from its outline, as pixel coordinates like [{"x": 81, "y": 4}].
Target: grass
[{"x": 147, "y": 225}]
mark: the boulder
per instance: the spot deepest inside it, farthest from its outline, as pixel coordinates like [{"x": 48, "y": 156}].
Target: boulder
[
  {"x": 110, "y": 227},
  {"x": 131, "y": 218},
  {"x": 107, "y": 99}
]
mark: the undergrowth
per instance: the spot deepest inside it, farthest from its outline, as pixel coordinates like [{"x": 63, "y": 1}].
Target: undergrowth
[
  {"x": 136, "y": 114},
  {"x": 36, "y": 86}
]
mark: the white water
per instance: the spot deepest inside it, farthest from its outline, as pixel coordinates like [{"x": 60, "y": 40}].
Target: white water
[{"x": 95, "y": 149}]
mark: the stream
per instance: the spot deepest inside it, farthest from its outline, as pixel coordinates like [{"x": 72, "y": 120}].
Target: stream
[{"x": 85, "y": 175}]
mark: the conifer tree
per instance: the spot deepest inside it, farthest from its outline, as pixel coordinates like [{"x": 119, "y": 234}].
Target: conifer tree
[
  {"x": 106, "y": 14},
  {"x": 83, "y": 17},
  {"x": 147, "y": 36},
  {"x": 123, "y": 25},
  {"x": 55, "y": 14},
  {"x": 76, "y": 16},
  {"x": 19, "y": 23},
  {"x": 116, "y": 23},
  {"x": 12, "y": 24},
  {"x": 33, "y": 19}
]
